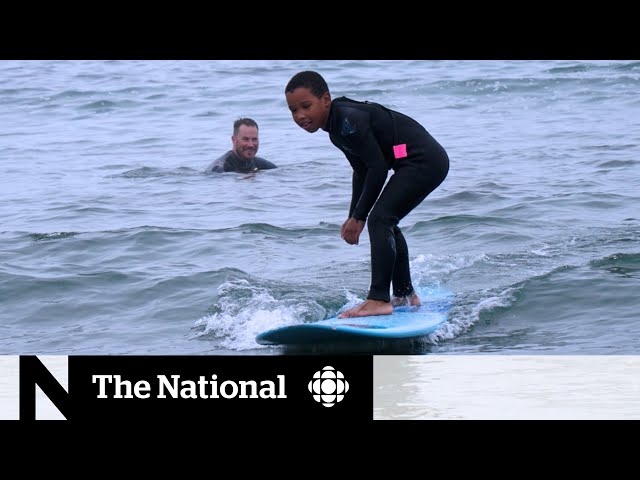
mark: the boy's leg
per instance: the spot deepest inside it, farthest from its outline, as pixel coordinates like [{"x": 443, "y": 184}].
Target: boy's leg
[
  {"x": 401, "y": 278},
  {"x": 388, "y": 247}
]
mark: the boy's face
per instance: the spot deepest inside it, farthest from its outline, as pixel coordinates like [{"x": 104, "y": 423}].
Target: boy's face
[
  {"x": 307, "y": 110},
  {"x": 245, "y": 144}
]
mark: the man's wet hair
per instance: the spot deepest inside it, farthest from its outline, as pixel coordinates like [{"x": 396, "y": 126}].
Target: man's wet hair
[{"x": 243, "y": 121}]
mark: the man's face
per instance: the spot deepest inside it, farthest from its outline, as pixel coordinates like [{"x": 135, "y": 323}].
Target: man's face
[{"x": 245, "y": 143}]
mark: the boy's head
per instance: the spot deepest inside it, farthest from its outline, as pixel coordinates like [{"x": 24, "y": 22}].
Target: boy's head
[
  {"x": 311, "y": 80},
  {"x": 309, "y": 100},
  {"x": 245, "y": 138}
]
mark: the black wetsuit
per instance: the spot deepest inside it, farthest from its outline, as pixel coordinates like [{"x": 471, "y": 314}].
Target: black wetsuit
[
  {"x": 367, "y": 133},
  {"x": 229, "y": 162}
]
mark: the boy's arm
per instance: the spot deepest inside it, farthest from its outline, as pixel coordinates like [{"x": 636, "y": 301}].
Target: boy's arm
[
  {"x": 370, "y": 179},
  {"x": 357, "y": 183}
]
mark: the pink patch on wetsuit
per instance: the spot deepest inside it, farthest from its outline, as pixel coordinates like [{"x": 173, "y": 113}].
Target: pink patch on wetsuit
[{"x": 400, "y": 151}]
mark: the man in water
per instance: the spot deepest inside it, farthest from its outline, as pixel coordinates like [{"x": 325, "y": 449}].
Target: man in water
[{"x": 242, "y": 157}]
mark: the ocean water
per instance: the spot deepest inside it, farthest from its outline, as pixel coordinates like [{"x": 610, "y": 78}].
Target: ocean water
[{"x": 113, "y": 241}]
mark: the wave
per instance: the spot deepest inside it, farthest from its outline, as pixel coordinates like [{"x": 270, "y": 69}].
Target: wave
[
  {"x": 627, "y": 66},
  {"x": 624, "y": 264},
  {"x": 451, "y": 224},
  {"x": 154, "y": 172},
  {"x": 159, "y": 235},
  {"x": 569, "y": 69},
  {"x": 75, "y": 94},
  {"x": 618, "y": 163},
  {"x": 40, "y": 237},
  {"x": 472, "y": 196},
  {"x": 247, "y": 306},
  {"x": 529, "y": 85}
]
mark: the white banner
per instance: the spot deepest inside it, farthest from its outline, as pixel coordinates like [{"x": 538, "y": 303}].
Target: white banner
[{"x": 476, "y": 387}]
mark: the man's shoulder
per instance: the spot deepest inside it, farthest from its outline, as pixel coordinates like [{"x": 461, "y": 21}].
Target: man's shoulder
[
  {"x": 218, "y": 164},
  {"x": 264, "y": 164}
]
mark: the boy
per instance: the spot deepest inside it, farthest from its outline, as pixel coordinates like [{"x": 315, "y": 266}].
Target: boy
[{"x": 374, "y": 139}]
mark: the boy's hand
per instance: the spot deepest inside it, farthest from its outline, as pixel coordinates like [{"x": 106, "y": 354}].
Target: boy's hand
[{"x": 351, "y": 230}]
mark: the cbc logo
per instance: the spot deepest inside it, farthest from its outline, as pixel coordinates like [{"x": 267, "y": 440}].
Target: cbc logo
[{"x": 328, "y": 386}]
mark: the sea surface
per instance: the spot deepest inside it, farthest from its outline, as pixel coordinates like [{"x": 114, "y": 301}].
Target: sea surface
[{"x": 114, "y": 241}]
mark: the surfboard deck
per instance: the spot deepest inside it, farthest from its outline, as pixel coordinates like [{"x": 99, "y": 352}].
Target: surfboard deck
[{"x": 404, "y": 322}]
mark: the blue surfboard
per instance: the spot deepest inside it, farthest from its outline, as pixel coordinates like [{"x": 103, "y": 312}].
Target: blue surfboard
[{"x": 404, "y": 322}]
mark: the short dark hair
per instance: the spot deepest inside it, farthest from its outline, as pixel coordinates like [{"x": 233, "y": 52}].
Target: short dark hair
[
  {"x": 243, "y": 121},
  {"x": 311, "y": 80}
]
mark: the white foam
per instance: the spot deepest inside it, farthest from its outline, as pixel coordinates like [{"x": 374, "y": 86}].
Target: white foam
[
  {"x": 247, "y": 310},
  {"x": 463, "y": 317}
]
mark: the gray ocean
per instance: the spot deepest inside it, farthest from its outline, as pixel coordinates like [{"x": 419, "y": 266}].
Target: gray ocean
[{"x": 114, "y": 241}]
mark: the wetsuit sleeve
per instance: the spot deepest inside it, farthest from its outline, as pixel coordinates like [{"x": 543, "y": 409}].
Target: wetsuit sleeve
[
  {"x": 218, "y": 165},
  {"x": 263, "y": 164},
  {"x": 374, "y": 176},
  {"x": 357, "y": 182}
]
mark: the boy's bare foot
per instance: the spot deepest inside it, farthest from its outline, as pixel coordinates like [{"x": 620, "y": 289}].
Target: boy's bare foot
[
  {"x": 368, "y": 307},
  {"x": 411, "y": 300}
]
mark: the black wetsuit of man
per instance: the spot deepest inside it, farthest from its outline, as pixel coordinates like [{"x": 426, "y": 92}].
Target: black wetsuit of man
[
  {"x": 367, "y": 133},
  {"x": 229, "y": 162}
]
